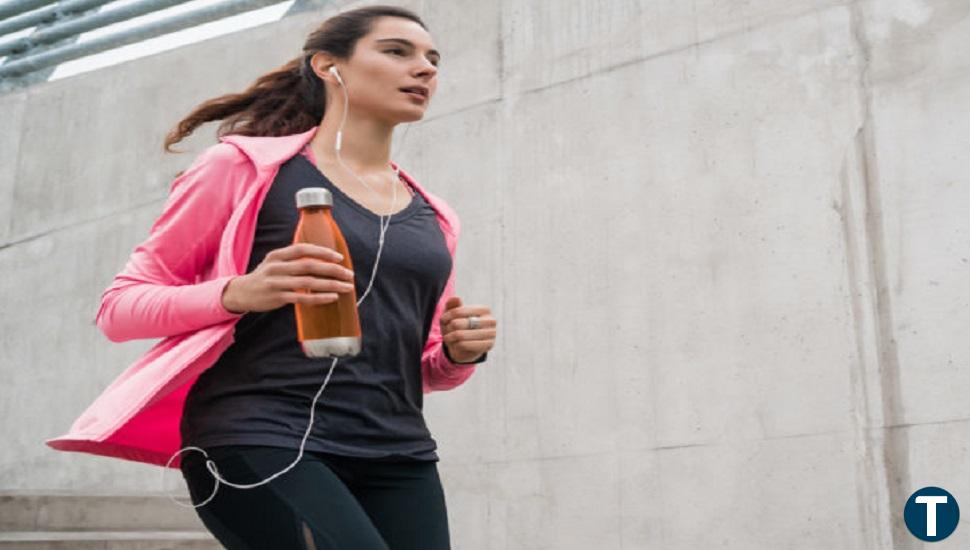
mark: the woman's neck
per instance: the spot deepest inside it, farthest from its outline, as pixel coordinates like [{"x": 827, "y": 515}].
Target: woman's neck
[{"x": 365, "y": 146}]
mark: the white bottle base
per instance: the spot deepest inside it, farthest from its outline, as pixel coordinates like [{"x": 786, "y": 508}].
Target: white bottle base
[{"x": 338, "y": 346}]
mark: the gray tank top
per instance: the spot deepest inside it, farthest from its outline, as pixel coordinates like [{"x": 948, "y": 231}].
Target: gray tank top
[{"x": 260, "y": 389}]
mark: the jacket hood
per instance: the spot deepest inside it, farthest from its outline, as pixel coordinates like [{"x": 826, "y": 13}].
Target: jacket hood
[{"x": 268, "y": 152}]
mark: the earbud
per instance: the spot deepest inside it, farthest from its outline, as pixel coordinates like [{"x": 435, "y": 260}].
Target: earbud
[{"x": 333, "y": 71}]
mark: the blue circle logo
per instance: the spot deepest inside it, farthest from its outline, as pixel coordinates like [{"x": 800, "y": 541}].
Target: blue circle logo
[{"x": 931, "y": 514}]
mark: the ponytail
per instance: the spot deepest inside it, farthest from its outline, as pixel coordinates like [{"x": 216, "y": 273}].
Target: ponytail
[{"x": 288, "y": 100}]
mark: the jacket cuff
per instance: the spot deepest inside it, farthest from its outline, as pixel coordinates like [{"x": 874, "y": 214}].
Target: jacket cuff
[
  {"x": 217, "y": 287},
  {"x": 481, "y": 359}
]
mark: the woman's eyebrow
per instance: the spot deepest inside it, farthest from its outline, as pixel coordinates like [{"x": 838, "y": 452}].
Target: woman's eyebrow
[{"x": 409, "y": 43}]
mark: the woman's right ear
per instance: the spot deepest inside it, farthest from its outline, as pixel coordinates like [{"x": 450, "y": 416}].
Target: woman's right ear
[{"x": 318, "y": 64}]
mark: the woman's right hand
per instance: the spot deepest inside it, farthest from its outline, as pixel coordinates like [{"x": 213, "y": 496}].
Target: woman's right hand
[{"x": 274, "y": 282}]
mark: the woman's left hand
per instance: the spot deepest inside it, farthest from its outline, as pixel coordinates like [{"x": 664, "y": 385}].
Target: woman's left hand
[{"x": 467, "y": 344}]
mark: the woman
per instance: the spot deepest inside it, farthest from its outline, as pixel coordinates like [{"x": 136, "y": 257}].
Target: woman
[{"x": 218, "y": 279}]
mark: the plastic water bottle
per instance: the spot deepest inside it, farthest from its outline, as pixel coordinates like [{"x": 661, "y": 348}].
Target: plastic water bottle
[{"x": 333, "y": 329}]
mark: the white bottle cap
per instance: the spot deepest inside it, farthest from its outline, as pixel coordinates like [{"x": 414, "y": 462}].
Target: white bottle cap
[{"x": 313, "y": 196}]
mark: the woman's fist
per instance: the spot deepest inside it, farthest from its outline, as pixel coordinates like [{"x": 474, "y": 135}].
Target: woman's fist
[
  {"x": 466, "y": 343},
  {"x": 282, "y": 272}
]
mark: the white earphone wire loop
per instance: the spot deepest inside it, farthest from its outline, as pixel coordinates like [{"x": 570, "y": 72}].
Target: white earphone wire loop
[{"x": 209, "y": 463}]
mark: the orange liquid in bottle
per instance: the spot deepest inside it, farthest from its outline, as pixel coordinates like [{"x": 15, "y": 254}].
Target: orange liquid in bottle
[{"x": 333, "y": 329}]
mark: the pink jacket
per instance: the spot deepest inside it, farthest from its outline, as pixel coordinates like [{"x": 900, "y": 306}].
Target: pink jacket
[{"x": 172, "y": 287}]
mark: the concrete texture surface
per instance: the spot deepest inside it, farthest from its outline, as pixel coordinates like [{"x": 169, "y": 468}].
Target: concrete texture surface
[
  {"x": 727, "y": 243},
  {"x": 121, "y": 522}
]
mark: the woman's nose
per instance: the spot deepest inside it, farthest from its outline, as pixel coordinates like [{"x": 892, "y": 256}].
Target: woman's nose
[{"x": 428, "y": 67}]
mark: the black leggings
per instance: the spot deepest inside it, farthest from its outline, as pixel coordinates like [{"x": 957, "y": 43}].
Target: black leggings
[{"x": 326, "y": 502}]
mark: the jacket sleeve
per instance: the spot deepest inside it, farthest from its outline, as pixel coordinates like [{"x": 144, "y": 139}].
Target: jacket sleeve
[
  {"x": 438, "y": 372},
  {"x": 159, "y": 292}
]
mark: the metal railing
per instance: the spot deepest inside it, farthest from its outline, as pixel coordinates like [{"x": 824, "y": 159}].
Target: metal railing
[
  {"x": 59, "y": 24},
  {"x": 46, "y": 15}
]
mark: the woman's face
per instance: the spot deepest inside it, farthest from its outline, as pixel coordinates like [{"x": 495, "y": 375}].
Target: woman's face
[{"x": 397, "y": 53}]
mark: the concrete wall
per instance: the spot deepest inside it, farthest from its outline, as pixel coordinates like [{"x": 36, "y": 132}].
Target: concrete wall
[{"x": 727, "y": 242}]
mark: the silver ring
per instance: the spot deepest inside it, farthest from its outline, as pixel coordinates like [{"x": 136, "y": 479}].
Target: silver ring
[{"x": 473, "y": 322}]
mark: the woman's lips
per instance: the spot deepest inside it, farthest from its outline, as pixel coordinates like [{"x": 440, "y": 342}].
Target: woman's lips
[{"x": 416, "y": 95}]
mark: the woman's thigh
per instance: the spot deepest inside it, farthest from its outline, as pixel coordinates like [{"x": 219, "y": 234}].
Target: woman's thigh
[
  {"x": 406, "y": 502},
  {"x": 309, "y": 507}
]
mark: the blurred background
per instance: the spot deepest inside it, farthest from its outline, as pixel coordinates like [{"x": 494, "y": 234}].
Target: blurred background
[{"x": 727, "y": 243}]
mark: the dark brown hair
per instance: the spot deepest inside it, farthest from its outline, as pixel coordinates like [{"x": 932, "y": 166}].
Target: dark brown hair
[{"x": 290, "y": 99}]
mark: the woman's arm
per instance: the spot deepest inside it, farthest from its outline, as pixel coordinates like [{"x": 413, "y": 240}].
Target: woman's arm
[
  {"x": 157, "y": 294},
  {"x": 438, "y": 372}
]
